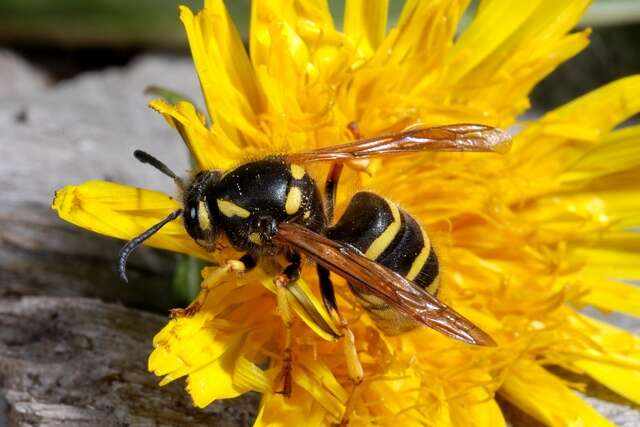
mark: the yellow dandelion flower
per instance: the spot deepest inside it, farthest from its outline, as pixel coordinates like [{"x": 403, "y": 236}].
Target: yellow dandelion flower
[{"x": 525, "y": 239}]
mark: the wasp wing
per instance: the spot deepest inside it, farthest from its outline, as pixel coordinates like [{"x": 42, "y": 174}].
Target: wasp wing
[
  {"x": 459, "y": 137},
  {"x": 393, "y": 288}
]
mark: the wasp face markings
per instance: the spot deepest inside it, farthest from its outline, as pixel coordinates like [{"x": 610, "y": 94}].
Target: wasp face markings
[
  {"x": 198, "y": 217},
  {"x": 204, "y": 220}
]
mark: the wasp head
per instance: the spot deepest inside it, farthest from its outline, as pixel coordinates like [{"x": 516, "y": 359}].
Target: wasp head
[{"x": 199, "y": 220}]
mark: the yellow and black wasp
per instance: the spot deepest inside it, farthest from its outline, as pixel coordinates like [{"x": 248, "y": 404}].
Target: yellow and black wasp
[{"x": 274, "y": 207}]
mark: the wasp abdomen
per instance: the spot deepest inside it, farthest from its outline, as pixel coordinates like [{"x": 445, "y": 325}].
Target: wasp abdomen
[{"x": 388, "y": 235}]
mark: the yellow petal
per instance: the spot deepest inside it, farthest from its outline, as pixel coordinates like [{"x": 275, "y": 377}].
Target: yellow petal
[
  {"x": 423, "y": 36},
  {"x": 543, "y": 396},
  {"x": 178, "y": 352},
  {"x": 583, "y": 118},
  {"x": 399, "y": 79},
  {"x": 331, "y": 404},
  {"x": 365, "y": 23},
  {"x": 211, "y": 148},
  {"x": 307, "y": 306},
  {"x": 487, "y": 414},
  {"x": 322, "y": 373},
  {"x": 614, "y": 361},
  {"x": 621, "y": 380},
  {"x": 618, "y": 343},
  {"x": 213, "y": 381},
  {"x": 610, "y": 263},
  {"x": 511, "y": 59},
  {"x": 495, "y": 23},
  {"x": 162, "y": 362},
  {"x": 294, "y": 48},
  {"x": 611, "y": 204},
  {"x": 478, "y": 410},
  {"x": 248, "y": 376},
  {"x": 614, "y": 296},
  {"x": 226, "y": 76},
  {"x": 202, "y": 347},
  {"x": 124, "y": 212},
  {"x": 311, "y": 20},
  {"x": 298, "y": 410},
  {"x": 617, "y": 152}
]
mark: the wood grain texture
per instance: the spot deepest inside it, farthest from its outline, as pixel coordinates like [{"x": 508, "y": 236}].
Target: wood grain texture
[
  {"x": 80, "y": 129},
  {"x": 78, "y": 361},
  {"x": 67, "y": 360}
]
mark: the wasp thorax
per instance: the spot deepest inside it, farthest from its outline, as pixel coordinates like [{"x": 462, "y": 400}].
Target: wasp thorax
[
  {"x": 198, "y": 218},
  {"x": 250, "y": 201}
]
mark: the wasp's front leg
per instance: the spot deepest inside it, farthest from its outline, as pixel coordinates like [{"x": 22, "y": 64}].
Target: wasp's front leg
[
  {"x": 244, "y": 264},
  {"x": 290, "y": 274}
]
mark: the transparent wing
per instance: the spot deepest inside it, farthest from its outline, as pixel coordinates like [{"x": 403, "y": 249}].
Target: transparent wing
[
  {"x": 394, "y": 289},
  {"x": 459, "y": 137}
]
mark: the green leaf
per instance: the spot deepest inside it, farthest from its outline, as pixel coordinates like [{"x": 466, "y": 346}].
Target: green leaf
[
  {"x": 187, "y": 278},
  {"x": 169, "y": 95}
]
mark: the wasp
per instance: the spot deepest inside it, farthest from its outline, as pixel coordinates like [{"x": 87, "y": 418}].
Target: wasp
[{"x": 272, "y": 206}]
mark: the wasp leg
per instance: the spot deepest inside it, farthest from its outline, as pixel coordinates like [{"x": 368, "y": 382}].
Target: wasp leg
[
  {"x": 245, "y": 263},
  {"x": 333, "y": 178},
  {"x": 355, "y": 130},
  {"x": 331, "y": 190},
  {"x": 290, "y": 274},
  {"x": 354, "y": 367}
]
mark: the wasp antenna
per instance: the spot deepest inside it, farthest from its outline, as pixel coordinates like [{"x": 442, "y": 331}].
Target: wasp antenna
[
  {"x": 132, "y": 244},
  {"x": 145, "y": 157}
]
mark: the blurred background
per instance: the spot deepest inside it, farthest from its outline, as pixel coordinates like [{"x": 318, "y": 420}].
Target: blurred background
[
  {"x": 73, "y": 108},
  {"x": 67, "y": 37}
]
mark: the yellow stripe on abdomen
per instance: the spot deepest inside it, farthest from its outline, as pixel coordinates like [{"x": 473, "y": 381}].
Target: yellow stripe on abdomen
[
  {"x": 383, "y": 241},
  {"x": 422, "y": 257},
  {"x": 434, "y": 285}
]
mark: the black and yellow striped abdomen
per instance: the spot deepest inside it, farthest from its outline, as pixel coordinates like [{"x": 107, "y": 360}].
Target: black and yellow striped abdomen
[{"x": 388, "y": 235}]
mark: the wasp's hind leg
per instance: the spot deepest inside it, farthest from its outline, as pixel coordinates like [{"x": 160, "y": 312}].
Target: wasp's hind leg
[
  {"x": 354, "y": 367},
  {"x": 245, "y": 263},
  {"x": 290, "y": 274}
]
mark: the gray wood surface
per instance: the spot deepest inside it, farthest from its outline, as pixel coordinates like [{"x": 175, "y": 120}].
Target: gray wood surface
[
  {"x": 78, "y": 361},
  {"x": 66, "y": 359},
  {"x": 67, "y": 133}
]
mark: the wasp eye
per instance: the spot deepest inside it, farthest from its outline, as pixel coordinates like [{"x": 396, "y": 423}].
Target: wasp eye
[{"x": 199, "y": 224}]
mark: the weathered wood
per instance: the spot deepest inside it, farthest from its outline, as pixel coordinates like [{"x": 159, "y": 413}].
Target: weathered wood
[
  {"x": 81, "y": 129},
  {"x": 42, "y": 255},
  {"x": 77, "y": 361},
  {"x": 74, "y": 361}
]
